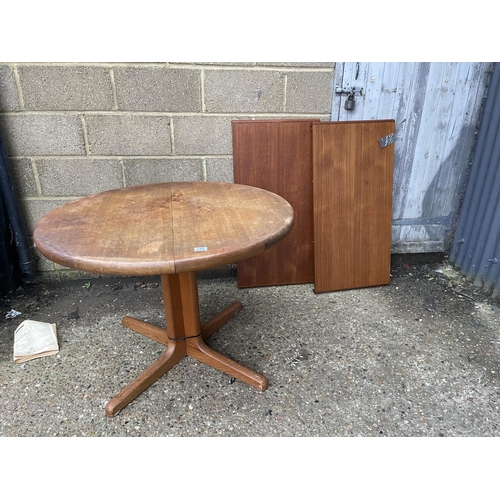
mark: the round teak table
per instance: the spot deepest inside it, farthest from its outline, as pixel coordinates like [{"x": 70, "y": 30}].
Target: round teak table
[{"x": 172, "y": 230}]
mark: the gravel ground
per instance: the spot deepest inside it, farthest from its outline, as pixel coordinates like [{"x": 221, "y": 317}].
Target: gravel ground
[{"x": 419, "y": 357}]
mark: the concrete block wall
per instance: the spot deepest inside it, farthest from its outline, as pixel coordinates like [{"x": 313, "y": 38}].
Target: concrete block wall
[{"x": 75, "y": 129}]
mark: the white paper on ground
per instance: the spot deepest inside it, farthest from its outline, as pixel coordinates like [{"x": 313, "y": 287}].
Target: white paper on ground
[{"x": 34, "y": 339}]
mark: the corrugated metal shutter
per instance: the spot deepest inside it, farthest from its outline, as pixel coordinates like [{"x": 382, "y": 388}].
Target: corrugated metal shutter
[{"x": 476, "y": 245}]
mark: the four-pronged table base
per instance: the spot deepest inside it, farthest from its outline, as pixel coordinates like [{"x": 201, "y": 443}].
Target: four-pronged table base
[{"x": 184, "y": 336}]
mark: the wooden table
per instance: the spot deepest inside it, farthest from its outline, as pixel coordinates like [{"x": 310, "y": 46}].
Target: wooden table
[{"x": 171, "y": 230}]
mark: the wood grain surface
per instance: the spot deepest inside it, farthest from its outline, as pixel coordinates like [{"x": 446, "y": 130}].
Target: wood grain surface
[
  {"x": 164, "y": 228},
  {"x": 352, "y": 204},
  {"x": 276, "y": 155}
]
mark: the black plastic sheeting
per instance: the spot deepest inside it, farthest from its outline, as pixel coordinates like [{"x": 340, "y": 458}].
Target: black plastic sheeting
[
  {"x": 17, "y": 264},
  {"x": 476, "y": 245}
]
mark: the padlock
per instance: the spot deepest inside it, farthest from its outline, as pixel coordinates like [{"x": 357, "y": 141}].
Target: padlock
[{"x": 349, "y": 102}]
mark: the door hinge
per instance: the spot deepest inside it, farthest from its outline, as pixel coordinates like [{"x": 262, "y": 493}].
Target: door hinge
[{"x": 385, "y": 141}]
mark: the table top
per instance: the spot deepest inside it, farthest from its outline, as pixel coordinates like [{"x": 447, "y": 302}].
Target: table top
[{"x": 163, "y": 228}]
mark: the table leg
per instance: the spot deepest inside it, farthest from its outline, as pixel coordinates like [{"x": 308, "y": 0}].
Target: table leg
[
  {"x": 184, "y": 336},
  {"x": 147, "y": 329},
  {"x": 213, "y": 324},
  {"x": 197, "y": 349},
  {"x": 194, "y": 333},
  {"x": 148, "y": 377}
]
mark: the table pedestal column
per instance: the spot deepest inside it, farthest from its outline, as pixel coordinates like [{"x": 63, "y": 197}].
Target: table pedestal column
[{"x": 184, "y": 336}]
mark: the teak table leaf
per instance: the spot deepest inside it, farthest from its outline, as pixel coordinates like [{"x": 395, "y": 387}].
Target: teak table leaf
[
  {"x": 171, "y": 230},
  {"x": 276, "y": 155},
  {"x": 352, "y": 173}
]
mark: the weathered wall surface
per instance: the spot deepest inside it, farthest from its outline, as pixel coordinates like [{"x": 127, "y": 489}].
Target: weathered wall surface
[{"x": 74, "y": 129}]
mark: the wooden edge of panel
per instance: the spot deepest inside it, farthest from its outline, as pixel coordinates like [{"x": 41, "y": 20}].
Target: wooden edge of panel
[
  {"x": 278, "y": 120},
  {"x": 329, "y": 290},
  {"x": 388, "y": 120}
]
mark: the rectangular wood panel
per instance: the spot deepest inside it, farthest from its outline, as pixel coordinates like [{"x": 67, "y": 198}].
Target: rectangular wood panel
[
  {"x": 352, "y": 204},
  {"x": 276, "y": 155}
]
